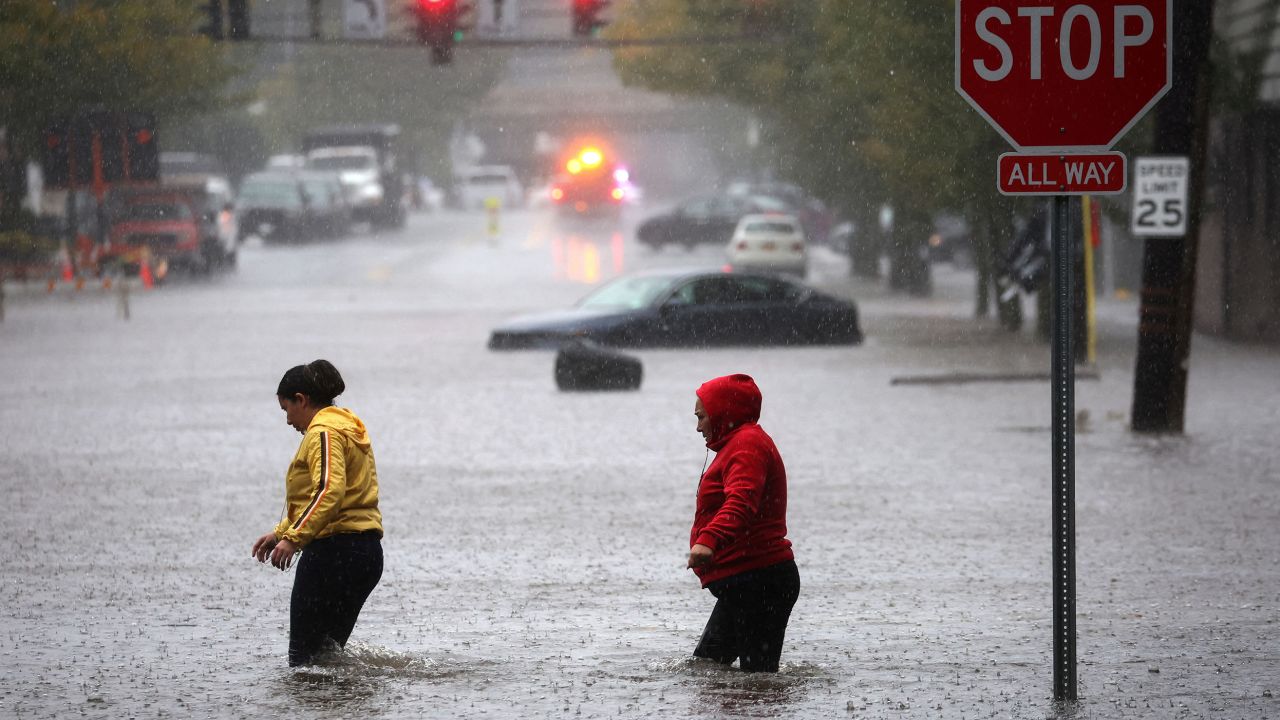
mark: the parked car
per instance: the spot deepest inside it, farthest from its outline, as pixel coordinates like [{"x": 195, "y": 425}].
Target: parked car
[
  {"x": 274, "y": 205},
  {"x": 950, "y": 239},
  {"x": 474, "y": 186},
  {"x": 357, "y": 169},
  {"x": 329, "y": 200},
  {"x": 770, "y": 243},
  {"x": 286, "y": 162},
  {"x": 690, "y": 309},
  {"x": 426, "y": 195},
  {"x": 702, "y": 220},
  {"x": 815, "y": 216},
  {"x": 190, "y": 226}
]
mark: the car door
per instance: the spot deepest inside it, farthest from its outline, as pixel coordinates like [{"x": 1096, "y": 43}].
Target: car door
[
  {"x": 784, "y": 316},
  {"x": 695, "y": 220},
  {"x": 708, "y": 311}
]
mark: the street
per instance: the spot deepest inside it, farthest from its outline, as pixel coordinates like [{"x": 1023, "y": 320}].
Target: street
[{"x": 535, "y": 539}]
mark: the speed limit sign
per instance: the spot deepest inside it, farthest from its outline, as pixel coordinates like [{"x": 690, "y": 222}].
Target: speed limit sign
[{"x": 1160, "y": 196}]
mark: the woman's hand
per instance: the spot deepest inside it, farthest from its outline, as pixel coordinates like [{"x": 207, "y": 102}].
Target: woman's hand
[
  {"x": 264, "y": 546},
  {"x": 282, "y": 556},
  {"x": 699, "y": 555}
]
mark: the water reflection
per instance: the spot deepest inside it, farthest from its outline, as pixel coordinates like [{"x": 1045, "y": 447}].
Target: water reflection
[{"x": 577, "y": 258}]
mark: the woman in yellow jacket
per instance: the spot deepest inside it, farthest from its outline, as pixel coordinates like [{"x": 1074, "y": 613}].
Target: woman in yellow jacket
[{"x": 331, "y": 514}]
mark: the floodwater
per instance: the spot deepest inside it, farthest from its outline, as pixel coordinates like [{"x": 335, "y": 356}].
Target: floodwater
[{"x": 535, "y": 540}]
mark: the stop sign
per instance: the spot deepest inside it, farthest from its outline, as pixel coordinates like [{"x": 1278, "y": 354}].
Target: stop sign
[{"x": 1062, "y": 75}]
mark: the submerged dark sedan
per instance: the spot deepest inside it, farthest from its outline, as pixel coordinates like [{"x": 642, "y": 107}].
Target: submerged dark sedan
[{"x": 690, "y": 309}]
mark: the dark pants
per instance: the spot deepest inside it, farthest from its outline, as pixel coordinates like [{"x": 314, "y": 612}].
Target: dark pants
[
  {"x": 333, "y": 578},
  {"x": 749, "y": 621}
]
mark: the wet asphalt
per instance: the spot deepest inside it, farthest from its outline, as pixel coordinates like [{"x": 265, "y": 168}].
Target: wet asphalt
[{"x": 535, "y": 539}]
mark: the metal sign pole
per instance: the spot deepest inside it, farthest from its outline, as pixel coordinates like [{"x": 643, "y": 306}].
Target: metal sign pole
[{"x": 1064, "y": 453}]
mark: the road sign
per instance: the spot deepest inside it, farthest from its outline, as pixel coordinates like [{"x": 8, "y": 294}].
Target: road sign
[
  {"x": 365, "y": 19},
  {"x": 1063, "y": 76},
  {"x": 1160, "y": 196},
  {"x": 1061, "y": 174}
]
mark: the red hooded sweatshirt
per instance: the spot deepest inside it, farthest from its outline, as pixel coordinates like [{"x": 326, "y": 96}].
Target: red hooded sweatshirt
[{"x": 742, "y": 498}]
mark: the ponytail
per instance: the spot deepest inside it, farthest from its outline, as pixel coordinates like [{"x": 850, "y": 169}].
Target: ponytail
[{"x": 318, "y": 380}]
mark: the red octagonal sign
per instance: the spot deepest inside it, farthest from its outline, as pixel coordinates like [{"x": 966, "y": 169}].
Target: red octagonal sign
[{"x": 1063, "y": 75}]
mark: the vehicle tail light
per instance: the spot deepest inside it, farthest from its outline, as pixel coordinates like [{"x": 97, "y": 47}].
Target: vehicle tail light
[
  {"x": 797, "y": 247},
  {"x": 617, "y": 193},
  {"x": 742, "y": 244},
  {"x": 557, "y": 194}
]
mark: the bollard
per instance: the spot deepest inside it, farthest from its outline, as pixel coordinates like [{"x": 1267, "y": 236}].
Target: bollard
[
  {"x": 123, "y": 299},
  {"x": 493, "y": 206}
]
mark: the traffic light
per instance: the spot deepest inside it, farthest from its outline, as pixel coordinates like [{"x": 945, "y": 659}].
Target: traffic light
[
  {"x": 238, "y": 19},
  {"x": 144, "y": 151},
  {"x": 211, "y": 17},
  {"x": 586, "y": 16},
  {"x": 56, "y": 156},
  {"x": 438, "y": 27}
]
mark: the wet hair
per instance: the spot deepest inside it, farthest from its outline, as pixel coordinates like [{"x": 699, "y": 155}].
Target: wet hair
[{"x": 318, "y": 380}]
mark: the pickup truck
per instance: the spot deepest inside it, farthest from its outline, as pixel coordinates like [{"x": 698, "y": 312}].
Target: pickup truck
[
  {"x": 368, "y": 157},
  {"x": 192, "y": 226}
]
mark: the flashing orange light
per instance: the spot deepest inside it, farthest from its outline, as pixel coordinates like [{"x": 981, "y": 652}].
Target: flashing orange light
[
  {"x": 591, "y": 157},
  {"x": 574, "y": 166}
]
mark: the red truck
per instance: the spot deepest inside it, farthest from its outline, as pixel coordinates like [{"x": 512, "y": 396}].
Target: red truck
[{"x": 191, "y": 227}]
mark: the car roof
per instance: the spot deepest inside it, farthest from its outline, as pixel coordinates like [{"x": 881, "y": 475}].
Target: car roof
[
  {"x": 275, "y": 175},
  {"x": 679, "y": 274},
  {"x": 769, "y": 217},
  {"x": 342, "y": 151}
]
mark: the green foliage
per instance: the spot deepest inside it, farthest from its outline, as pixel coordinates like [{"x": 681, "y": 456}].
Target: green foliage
[
  {"x": 20, "y": 247},
  {"x": 104, "y": 54},
  {"x": 859, "y": 95}
]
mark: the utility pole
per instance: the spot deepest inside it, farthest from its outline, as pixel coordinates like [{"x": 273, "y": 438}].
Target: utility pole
[{"x": 1169, "y": 264}]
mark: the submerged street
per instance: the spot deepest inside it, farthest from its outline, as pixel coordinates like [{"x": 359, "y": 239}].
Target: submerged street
[{"x": 535, "y": 540}]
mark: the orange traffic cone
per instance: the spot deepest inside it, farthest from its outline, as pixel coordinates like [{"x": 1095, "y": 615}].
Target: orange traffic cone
[
  {"x": 144, "y": 274},
  {"x": 68, "y": 272}
]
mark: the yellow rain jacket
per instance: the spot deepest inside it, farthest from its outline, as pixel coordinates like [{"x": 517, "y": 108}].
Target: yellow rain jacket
[{"x": 331, "y": 486}]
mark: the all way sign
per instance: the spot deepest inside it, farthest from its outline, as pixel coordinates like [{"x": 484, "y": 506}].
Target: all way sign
[{"x": 1058, "y": 174}]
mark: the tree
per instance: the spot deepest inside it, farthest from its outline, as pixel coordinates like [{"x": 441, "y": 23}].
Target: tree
[
  {"x": 101, "y": 54},
  {"x": 859, "y": 98}
]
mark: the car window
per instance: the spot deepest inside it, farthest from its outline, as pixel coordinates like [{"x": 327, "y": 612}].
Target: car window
[
  {"x": 774, "y": 290},
  {"x": 631, "y": 293},
  {"x": 320, "y": 191},
  {"x": 269, "y": 192},
  {"x": 769, "y": 227},
  {"x": 697, "y": 207},
  {"x": 489, "y": 179},
  {"x": 719, "y": 290},
  {"x": 157, "y": 211},
  {"x": 751, "y": 289},
  {"x": 343, "y": 162}
]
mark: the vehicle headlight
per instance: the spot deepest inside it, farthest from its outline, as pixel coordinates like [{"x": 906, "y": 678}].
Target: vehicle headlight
[{"x": 370, "y": 192}]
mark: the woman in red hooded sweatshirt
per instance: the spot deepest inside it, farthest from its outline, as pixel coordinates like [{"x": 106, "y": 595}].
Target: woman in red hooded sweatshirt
[{"x": 738, "y": 546}]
